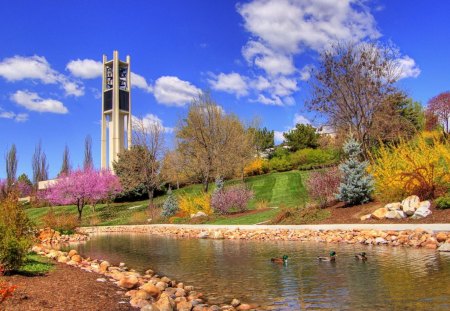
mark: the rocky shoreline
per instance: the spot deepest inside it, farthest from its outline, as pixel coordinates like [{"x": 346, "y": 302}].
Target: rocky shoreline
[{"x": 406, "y": 238}]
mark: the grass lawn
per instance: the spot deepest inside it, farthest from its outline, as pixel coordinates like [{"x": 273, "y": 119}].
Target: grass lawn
[
  {"x": 284, "y": 189},
  {"x": 35, "y": 265}
]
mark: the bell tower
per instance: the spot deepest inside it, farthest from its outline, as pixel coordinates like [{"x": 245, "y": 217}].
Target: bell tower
[{"x": 116, "y": 109}]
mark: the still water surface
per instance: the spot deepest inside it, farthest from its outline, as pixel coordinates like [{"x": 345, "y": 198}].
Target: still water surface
[{"x": 392, "y": 278}]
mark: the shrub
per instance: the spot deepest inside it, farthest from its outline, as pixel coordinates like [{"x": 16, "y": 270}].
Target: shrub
[
  {"x": 443, "y": 202},
  {"x": 6, "y": 291},
  {"x": 193, "y": 203},
  {"x": 170, "y": 206},
  {"x": 419, "y": 167},
  {"x": 16, "y": 233},
  {"x": 357, "y": 184},
  {"x": 280, "y": 164},
  {"x": 314, "y": 158},
  {"x": 64, "y": 222},
  {"x": 323, "y": 185},
  {"x": 258, "y": 166},
  {"x": 232, "y": 199}
]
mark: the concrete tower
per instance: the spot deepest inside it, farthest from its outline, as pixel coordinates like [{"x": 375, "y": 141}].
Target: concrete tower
[{"x": 116, "y": 109}]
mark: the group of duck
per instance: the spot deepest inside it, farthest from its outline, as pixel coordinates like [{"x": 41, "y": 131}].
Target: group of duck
[{"x": 360, "y": 256}]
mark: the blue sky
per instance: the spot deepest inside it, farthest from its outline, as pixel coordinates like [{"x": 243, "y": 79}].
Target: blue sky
[{"x": 252, "y": 55}]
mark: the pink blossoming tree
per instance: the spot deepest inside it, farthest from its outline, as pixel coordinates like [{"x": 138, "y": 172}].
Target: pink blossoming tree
[{"x": 81, "y": 187}]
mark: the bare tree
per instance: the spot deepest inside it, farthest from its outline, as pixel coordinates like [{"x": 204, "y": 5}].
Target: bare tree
[
  {"x": 88, "y": 162},
  {"x": 141, "y": 165},
  {"x": 11, "y": 165},
  {"x": 209, "y": 141},
  {"x": 39, "y": 164},
  {"x": 66, "y": 166},
  {"x": 353, "y": 84}
]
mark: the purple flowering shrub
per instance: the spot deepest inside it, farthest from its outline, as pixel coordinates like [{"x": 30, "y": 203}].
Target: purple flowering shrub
[
  {"x": 323, "y": 185},
  {"x": 232, "y": 199}
]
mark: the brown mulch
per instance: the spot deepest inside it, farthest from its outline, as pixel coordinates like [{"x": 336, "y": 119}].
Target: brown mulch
[
  {"x": 351, "y": 215},
  {"x": 65, "y": 288}
]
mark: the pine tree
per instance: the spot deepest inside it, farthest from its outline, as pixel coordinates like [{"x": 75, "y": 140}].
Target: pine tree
[
  {"x": 170, "y": 206},
  {"x": 219, "y": 184},
  {"x": 356, "y": 185}
]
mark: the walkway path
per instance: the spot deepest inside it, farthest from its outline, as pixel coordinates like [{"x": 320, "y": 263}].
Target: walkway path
[{"x": 385, "y": 227}]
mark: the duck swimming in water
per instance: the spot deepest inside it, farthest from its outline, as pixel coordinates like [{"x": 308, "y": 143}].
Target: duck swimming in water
[
  {"x": 280, "y": 260},
  {"x": 332, "y": 257},
  {"x": 361, "y": 256}
]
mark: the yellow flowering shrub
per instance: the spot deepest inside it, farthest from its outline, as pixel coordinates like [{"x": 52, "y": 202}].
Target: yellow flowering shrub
[
  {"x": 420, "y": 166},
  {"x": 192, "y": 204},
  {"x": 257, "y": 167}
]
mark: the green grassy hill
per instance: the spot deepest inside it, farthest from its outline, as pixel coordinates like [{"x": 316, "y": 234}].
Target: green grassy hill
[{"x": 271, "y": 190}]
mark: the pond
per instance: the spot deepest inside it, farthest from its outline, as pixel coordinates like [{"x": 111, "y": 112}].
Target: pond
[{"x": 392, "y": 278}]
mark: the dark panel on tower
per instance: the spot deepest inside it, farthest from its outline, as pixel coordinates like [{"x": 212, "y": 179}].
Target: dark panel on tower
[
  {"x": 124, "y": 100},
  {"x": 108, "y": 100}
]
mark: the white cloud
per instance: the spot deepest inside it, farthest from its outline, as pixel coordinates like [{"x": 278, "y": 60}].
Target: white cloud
[
  {"x": 172, "y": 91},
  {"x": 73, "y": 88},
  {"x": 408, "y": 67},
  {"x": 140, "y": 82},
  {"x": 85, "y": 68},
  {"x": 232, "y": 83},
  {"x": 260, "y": 83},
  {"x": 32, "y": 101},
  {"x": 150, "y": 120},
  {"x": 18, "y": 117},
  {"x": 299, "y": 119},
  {"x": 305, "y": 72},
  {"x": 278, "y": 136},
  {"x": 292, "y": 26}
]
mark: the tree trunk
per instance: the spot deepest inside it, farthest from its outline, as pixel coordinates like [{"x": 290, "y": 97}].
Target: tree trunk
[
  {"x": 150, "y": 194},
  {"x": 80, "y": 205}
]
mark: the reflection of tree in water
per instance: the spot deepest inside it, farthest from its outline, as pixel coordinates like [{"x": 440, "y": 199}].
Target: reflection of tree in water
[{"x": 393, "y": 278}]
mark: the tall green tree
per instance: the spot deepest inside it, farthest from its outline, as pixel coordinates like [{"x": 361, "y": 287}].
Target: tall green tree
[
  {"x": 264, "y": 138},
  {"x": 301, "y": 137}
]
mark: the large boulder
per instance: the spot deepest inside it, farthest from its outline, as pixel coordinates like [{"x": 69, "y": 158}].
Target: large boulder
[
  {"x": 444, "y": 247},
  {"x": 104, "y": 266},
  {"x": 391, "y": 214},
  {"x": 198, "y": 214},
  {"x": 128, "y": 282},
  {"x": 423, "y": 210},
  {"x": 380, "y": 213},
  {"x": 394, "y": 206},
  {"x": 151, "y": 290},
  {"x": 165, "y": 303},
  {"x": 410, "y": 204},
  {"x": 441, "y": 236},
  {"x": 365, "y": 217}
]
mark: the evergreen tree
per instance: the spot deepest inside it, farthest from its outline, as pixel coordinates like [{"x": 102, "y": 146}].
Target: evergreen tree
[
  {"x": 170, "y": 206},
  {"x": 219, "y": 184},
  {"x": 356, "y": 184}
]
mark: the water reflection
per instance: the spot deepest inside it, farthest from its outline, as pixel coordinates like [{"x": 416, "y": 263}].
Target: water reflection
[{"x": 392, "y": 278}]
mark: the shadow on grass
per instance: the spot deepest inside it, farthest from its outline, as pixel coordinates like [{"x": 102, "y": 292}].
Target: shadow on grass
[{"x": 35, "y": 265}]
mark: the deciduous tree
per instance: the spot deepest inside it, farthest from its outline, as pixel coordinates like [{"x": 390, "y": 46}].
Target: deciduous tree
[
  {"x": 65, "y": 166},
  {"x": 11, "y": 165},
  {"x": 88, "y": 162},
  {"x": 440, "y": 106},
  {"x": 39, "y": 165}
]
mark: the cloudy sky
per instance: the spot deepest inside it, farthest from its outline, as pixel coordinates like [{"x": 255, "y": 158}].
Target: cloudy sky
[{"x": 253, "y": 56}]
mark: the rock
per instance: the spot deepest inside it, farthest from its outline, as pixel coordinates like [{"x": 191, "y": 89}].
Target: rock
[
  {"x": 184, "y": 306},
  {"x": 380, "y": 240},
  {"x": 76, "y": 258},
  {"x": 441, "y": 237},
  {"x": 244, "y": 306},
  {"x": 150, "y": 308},
  {"x": 128, "y": 282},
  {"x": 365, "y": 217},
  {"x": 203, "y": 235},
  {"x": 151, "y": 290},
  {"x": 71, "y": 253},
  {"x": 179, "y": 292},
  {"x": 189, "y": 288},
  {"x": 394, "y": 206},
  {"x": 198, "y": 214},
  {"x": 400, "y": 214},
  {"x": 380, "y": 213},
  {"x": 165, "y": 303},
  {"x": 149, "y": 272},
  {"x": 444, "y": 247},
  {"x": 410, "y": 204},
  {"x": 138, "y": 303},
  {"x": 218, "y": 235},
  {"x": 37, "y": 249},
  {"x": 161, "y": 285},
  {"x": 423, "y": 210},
  {"x": 122, "y": 265},
  {"x": 101, "y": 280},
  {"x": 104, "y": 266},
  {"x": 235, "y": 302},
  {"x": 165, "y": 279},
  {"x": 63, "y": 259},
  {"x": 142, "y": 294},
  {"x": 391, "y": 214}
]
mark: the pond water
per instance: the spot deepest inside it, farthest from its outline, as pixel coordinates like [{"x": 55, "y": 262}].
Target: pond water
[{"x": 392, "y": 278}]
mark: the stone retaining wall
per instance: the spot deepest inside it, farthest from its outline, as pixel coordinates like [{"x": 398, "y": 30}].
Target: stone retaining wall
[{"x": 410, "y": 238}]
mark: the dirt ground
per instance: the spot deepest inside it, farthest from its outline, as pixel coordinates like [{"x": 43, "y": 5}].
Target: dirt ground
[
  {"x": 65, "y": 288},
  {"x": 351, "y": 215}
]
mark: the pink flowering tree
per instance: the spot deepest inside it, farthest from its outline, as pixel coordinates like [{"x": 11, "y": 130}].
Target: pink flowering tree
[{"x": 81, "y": 187}]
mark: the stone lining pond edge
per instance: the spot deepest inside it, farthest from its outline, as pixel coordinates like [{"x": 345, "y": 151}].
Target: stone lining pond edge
[{"x": 430, "y": 236}]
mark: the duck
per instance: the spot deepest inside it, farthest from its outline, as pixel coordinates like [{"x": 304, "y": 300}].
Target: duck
[
  {"x": 361, "y": 256},
  {"x": 280, "y": 260},
  {"x": 332, "y": 257}
]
